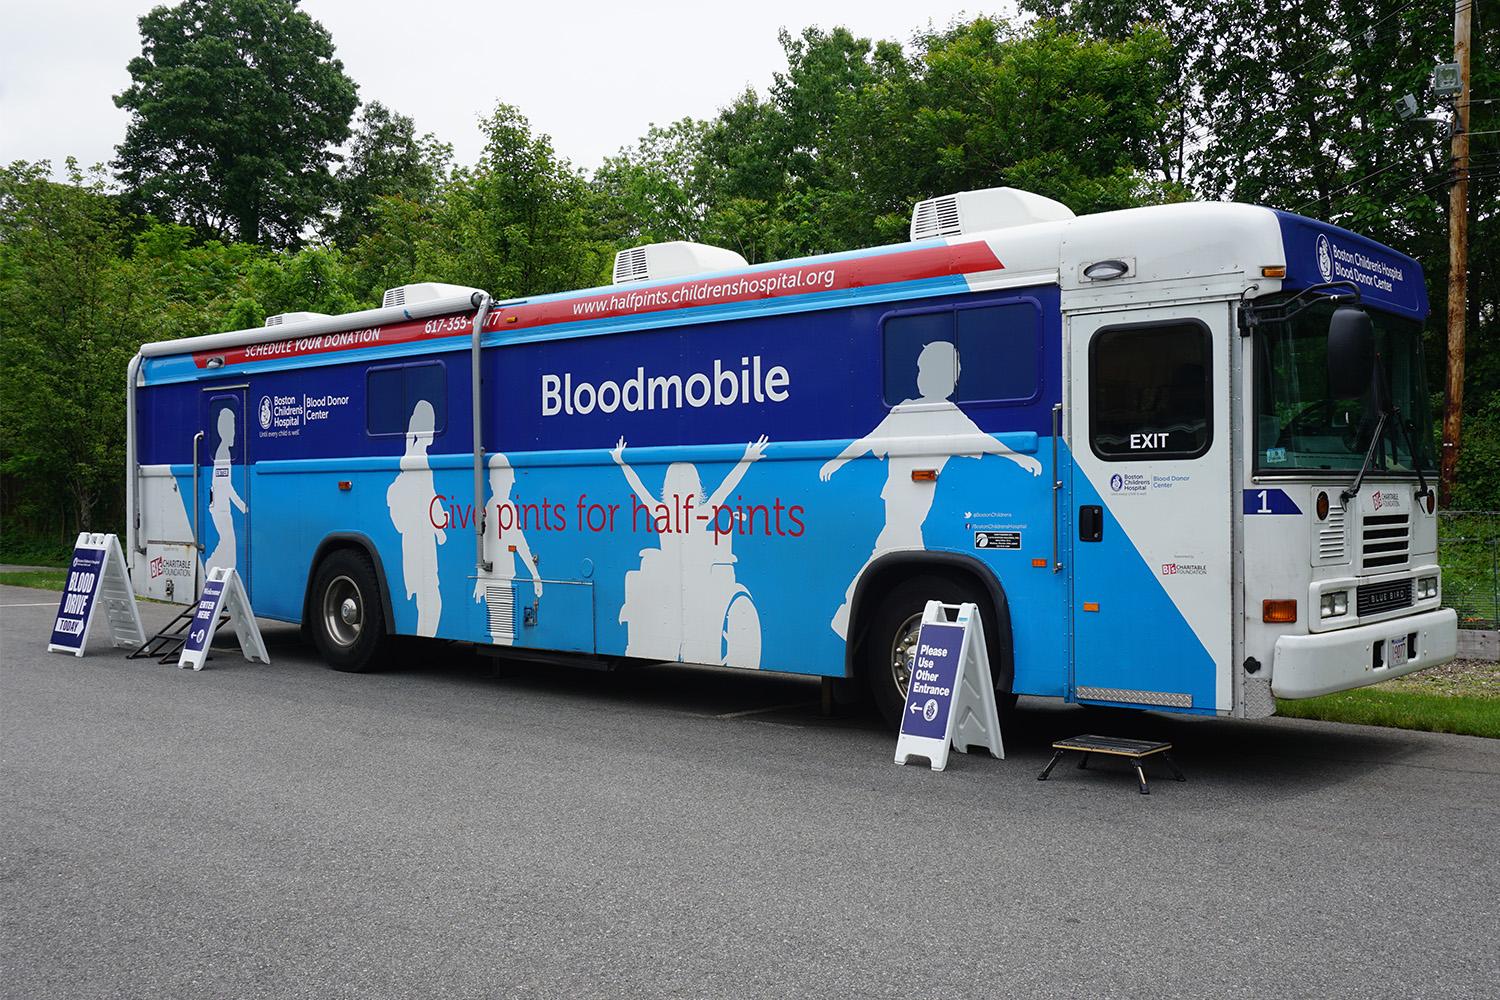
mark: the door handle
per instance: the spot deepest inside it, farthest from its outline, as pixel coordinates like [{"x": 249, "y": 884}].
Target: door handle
[{"x": 1090, "y": 523}]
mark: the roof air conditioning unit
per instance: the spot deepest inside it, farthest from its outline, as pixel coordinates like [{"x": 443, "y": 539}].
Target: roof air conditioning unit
[
  {"x": 672, "y": 260},
  {"x": 286, "y": 319},
  {"x": 980, "y": 211},
  {"x": 425, "y": 291}
]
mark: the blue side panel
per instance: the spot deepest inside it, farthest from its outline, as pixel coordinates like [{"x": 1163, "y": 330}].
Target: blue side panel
[{"x": 721, "y": 513}]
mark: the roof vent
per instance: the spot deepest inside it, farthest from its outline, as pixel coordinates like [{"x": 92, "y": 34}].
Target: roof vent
[
  {"x": 425, "y": 291},
  {"x": 978, "y": 211},
  {"x": 672, "y": 260},
  {"x": 286, "y": 319}
]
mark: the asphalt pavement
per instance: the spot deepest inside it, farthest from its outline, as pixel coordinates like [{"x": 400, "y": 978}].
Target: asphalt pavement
[{"x": 461, "y": 828}]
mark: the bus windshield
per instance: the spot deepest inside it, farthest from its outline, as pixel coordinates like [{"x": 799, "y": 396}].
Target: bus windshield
[{"x": 1300, "y": 425}]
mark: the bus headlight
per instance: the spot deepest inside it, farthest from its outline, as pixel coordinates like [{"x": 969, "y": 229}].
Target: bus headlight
[
  {"x": 1334, "y": 604},
  {"x": 1427, "y": 587}
]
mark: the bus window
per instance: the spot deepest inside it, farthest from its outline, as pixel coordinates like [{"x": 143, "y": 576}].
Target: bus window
[
  {"x": 392, "y": 392},
  {"x": 999, "y": 351},
  {"x": 1149, "y": 392}
]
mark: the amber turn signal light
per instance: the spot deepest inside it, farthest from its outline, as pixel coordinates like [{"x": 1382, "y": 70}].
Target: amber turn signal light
[{"x": 1278, "y": 612}]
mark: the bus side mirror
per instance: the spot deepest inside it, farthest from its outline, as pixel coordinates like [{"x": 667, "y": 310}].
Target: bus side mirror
[{"x": 1351, "y": 352}]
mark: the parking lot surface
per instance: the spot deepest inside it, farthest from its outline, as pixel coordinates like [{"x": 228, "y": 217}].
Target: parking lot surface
[{"x": 456, "y": 827}]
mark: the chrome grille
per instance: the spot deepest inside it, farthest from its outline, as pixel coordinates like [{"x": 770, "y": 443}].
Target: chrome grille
[
  {"x": 1374, "y": 598},
  {"x": 1386, "y": 538}
]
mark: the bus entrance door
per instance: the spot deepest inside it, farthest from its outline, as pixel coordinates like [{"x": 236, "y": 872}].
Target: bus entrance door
[
  {"x": 223, "y": 488},
  {"x": 1149, "y": 436}
]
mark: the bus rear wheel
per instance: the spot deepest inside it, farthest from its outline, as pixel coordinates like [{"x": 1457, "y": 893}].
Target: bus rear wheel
[
  {"x": 890, "y": 646},
  {"x": 348, "y": 625}
]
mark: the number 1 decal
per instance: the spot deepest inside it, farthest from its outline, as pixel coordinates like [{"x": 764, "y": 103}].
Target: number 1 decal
[{"x": 1269, "y": 502}]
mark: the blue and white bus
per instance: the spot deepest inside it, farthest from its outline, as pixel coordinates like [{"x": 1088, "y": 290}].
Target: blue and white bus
[{"x": 1179, "y": 457}]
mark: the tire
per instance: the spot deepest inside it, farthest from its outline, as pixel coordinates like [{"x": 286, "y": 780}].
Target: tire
[
  {"x": 889, "y": 645},
  {"x": 346, "y": 619}
]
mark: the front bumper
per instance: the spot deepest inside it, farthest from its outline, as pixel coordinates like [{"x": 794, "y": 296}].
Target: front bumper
[{"x": 1309, "y": 665}]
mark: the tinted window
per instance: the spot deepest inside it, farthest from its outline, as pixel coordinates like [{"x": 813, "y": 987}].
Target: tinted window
[
  {"x": 392, "y": 395},
  {"x": 999, "y": 352},
  {"x": 1150, "y": 392}
]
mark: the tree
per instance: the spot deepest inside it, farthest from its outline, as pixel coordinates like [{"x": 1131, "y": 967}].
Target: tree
[
  {"x": 855, "y": 133},
  {"x": 236, "y": 108},
  {"x": 68, "y": 327},
  {"x": 386, "y": 160},
  {"x": 1293, "y": 106},
  {"x": 653, "y": 192},
  {"x": 521, "y": 222},
  {"x": 1072, "y": 118}
]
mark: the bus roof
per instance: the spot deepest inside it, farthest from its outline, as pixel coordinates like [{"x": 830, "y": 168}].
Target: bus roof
[{"x": 1220, "y": 247}]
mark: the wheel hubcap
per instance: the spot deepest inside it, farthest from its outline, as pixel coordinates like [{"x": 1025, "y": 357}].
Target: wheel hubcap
[
  {"x": 343, "y": 614},
  {"x": 904, "y": 652}
]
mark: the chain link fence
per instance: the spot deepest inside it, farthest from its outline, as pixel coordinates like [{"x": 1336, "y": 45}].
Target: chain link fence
[{"x": 1469, "y": 551}]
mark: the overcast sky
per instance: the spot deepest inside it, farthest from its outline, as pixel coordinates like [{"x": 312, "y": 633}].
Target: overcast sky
[{"x": 593, "y": 75}]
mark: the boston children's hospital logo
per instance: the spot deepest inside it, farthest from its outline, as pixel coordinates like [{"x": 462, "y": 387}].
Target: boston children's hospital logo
[
  {"x": 1325, "y": 257},
  {"x": 265, "y": 413}
]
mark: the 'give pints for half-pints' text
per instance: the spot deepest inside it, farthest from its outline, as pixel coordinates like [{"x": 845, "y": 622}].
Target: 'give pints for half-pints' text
[{"x": 751, "y": 382}]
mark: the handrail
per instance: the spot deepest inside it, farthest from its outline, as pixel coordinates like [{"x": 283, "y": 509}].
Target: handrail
[
  {"x": 1056, "y": 483},
  {"x": 483, "y": 303}
]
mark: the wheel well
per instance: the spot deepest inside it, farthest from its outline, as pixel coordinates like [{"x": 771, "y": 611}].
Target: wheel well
[
  {"x": 358, "y": 543},
  {"x": 886, "y": 572}
]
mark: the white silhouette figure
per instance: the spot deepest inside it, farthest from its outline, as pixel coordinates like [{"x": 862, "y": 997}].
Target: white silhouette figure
[
  {"x": 909, "y": 438},
  {"x": 503, "y": 552},
  {"x": 684, "y": 602},
  {"x": 410, "y": 499},
  {"x": 222, "y": 496}
]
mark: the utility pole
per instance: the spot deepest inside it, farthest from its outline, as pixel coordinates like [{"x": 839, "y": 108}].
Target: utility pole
[{"x": 1458, "y": 257}]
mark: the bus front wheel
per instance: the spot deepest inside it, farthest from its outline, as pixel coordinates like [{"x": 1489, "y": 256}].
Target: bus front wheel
[
  {"x": 890, "y": 646},
  {"x": 348, "y": 625}
]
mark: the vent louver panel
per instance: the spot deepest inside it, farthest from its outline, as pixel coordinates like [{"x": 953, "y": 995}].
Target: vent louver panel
[
  {"x": 1332, "y": 537},
  {"x": 630, "y": 265},
  {"x": 501, "y": 603},
  {"x": 935, "y": 218}
]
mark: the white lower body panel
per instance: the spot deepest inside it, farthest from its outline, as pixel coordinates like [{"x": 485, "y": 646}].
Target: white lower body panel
[{"x": 1309, "y": 665}]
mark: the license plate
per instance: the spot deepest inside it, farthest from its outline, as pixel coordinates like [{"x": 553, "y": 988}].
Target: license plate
[{"x": 1397, "y": 653}]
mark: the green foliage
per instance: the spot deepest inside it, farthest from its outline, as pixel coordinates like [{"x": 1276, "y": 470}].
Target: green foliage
[
  {"x": 1464, "y": 715},
  {"x": 1051, "y": 112},
  {"x": 1478, "y": 486},
  {"x": 518, "y": 223},
  {"x": 236, "y": 107},
  {"x": 854, "y": 132},
  {"x": 1293, "y": 105},
  {"x": 1469, "y": 553},
  {"x": 654, "y": 192},
  {"x": 37, "y": 579},
  {"x": 69, "y": 323},
  {"x": 386, "y": 160}
]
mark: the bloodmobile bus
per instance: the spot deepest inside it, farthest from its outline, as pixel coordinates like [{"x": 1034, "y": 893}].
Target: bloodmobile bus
[{"x": 1179, "y": 457}]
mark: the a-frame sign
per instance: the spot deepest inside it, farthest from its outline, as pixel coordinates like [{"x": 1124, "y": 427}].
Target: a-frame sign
[
  {"x": 951, "y": 697},
  {"x": 97, "y": 578},
  {"x": 223, "y": 593}
]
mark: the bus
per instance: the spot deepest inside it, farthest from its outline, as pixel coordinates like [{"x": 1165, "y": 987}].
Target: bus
[{"x": 1179, "y": 457}]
